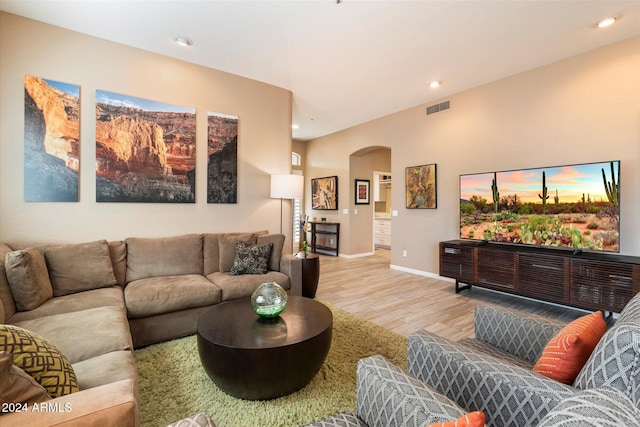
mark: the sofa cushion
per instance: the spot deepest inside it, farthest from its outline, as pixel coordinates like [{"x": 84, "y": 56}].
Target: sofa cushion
[
  {"x": 16, "y": 385},
  {"x": 118, "y": 255},
  {"x": 103, "y": 297},
  {"x": 8, "y": 304},
  {"x": 604, "y": 407},
  {"x": 276, "y": 253},
  {"x": 227, "y": 248},
  {"x": 158, "y": 295},
  {"x": 105, "y": 369},
  {"x": 341, "y": 419},
  {"x": 251, "y": 259},
  {"x": 164, "y": 256},
  {"x": 110, "y": 405},
  {"x": 28, "y": 278},
  {"x": 39, "y": 358},
  {"x": 79, "y": 267},
  {"x": 567, "y": 352},
  {"x": 234, "y": 287},
  {"x": 81, "y": 335},
  {"x": 615, "y": 362},
  {"x": 386, "y": 395}
]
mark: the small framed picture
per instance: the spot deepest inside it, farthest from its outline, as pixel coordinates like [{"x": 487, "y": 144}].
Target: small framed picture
[
  {"x": 324, "y": 193},
  {"x": 362, "y": 191}
]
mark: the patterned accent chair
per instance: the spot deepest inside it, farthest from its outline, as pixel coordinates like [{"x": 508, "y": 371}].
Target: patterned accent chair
[
  {"x": 387, "y": 396},
  {"x": 492, "y": 372}
]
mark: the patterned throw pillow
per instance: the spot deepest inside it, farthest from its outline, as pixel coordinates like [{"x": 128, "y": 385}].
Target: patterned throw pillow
[
  {"x": 472, "y": 419},
  {"x": 567, "y": 352},
  {"x": 40, "y": 359},
  {"x": 251, "y": 259}
]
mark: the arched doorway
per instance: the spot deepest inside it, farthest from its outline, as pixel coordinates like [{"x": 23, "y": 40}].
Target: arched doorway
[{"x": 372, "y": 164}]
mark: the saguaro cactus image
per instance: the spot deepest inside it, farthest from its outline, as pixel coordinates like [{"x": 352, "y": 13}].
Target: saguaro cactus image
[
  {"x": 612, "y": 188},
  {"x": 496, "y": 193},
  {"x": 544, "y": 196}
]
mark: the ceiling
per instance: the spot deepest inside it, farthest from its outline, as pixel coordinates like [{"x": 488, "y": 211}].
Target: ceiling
[{"x": 350, "y": 62}]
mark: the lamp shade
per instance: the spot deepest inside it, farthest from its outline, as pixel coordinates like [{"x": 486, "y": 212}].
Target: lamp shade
[{"x": 287, "y": 186}]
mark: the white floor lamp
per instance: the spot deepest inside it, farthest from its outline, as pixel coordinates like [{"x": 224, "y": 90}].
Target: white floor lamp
[{"x": 286, "y": 186}]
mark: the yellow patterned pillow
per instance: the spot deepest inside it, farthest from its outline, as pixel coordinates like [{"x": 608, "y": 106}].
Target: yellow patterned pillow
[{"x": 40, "y": 359}]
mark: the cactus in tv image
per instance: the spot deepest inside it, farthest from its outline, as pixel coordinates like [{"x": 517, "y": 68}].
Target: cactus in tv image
[
  {"x": 496, "y": 193},
  {"x": 556, "y": 198},
  {"x": 544, "y": 196},
  {"x": 611, "y": 187}
]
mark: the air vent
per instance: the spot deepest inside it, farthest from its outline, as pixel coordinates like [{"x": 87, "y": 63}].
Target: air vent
[{"x": 438, "y": 107}]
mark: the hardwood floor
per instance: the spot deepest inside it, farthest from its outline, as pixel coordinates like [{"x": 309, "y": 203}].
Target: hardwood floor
[{"x": 404, "y": 302}]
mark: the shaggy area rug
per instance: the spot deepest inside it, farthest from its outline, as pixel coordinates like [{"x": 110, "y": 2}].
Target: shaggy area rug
[{"x": 173, "y": 385}]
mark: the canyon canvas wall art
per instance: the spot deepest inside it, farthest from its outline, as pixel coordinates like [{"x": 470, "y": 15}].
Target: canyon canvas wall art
[
  {"x": 51, "y": 140},
  {"x": 222, "y": 153},
  {"x": 145, "y": 150}
]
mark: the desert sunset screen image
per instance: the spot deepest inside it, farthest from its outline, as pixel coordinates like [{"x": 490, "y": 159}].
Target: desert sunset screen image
[{"x": 574, "y": 206}]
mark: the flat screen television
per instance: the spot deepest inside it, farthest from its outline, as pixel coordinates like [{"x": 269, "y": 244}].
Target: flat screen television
[{"x": 573, "y": 206}]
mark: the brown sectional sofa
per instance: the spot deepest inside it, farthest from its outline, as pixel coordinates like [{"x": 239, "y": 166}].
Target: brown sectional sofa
[{"x": 108, "y": 298}]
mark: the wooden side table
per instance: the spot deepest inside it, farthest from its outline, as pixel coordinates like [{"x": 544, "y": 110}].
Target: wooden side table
[{"x": 310, "y": 274}]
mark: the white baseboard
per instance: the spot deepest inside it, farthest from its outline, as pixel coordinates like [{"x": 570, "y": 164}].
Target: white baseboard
[
  {"x": 420, "y": 273},
  {"x": 356, "y": 255}
]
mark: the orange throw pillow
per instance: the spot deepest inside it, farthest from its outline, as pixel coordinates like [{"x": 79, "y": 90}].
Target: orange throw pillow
[
  {"x": 567, "y": 352},
  {"x": 472, "y": 419}
]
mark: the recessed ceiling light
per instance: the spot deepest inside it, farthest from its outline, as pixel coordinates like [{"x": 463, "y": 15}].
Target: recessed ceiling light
[
  {"x": 607, "y": 21},
  {"x": 295, "y": 127},
  {"x": 434, "y": 84},
  {"x": 184, "y": 41}
]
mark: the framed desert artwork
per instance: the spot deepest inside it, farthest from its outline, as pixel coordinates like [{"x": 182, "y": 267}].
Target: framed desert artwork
[
  {"x": 145, "y": 150},
  {"x": 324, "y": 193},
  {"x": 222, "y": 155},
  {"x": 420, "y": 184},
  {"x": 362, "y": 191},
  {"x": 51, "y": 140}
]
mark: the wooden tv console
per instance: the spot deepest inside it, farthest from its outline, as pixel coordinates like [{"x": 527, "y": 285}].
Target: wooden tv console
[{"x": 593, "y": 281}]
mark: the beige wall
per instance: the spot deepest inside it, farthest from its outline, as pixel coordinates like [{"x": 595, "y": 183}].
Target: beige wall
[
  {"x": 264, "y": 141},
  {"x": 582, "y": 109}
]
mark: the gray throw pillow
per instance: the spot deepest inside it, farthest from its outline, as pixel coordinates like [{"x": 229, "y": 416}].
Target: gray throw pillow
[
  {"x": 251, "y": 259},
  {"x": 276, "y": 253},
  {"x": 28, "y": 278}
]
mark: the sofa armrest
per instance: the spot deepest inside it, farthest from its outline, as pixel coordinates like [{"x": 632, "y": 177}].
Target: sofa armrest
[
  {"x": 508, "y": 395},
  {"x": 110, "y": 405},
  {"x": 520, "y": 334},
  {"x": 386, "y": 395},
  {"x": 292, "y": 267}
]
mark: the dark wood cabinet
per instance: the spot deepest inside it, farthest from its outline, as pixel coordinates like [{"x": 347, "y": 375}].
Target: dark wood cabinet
[
  {"x": 495, "y": 268},
  {"x": 457, "y": 262},
  {"x": 325, "y": 238},
  {"x": 585, "y": 280},
  {"x": 597, "y": 283},
  {"x": 543, "y": 276}
]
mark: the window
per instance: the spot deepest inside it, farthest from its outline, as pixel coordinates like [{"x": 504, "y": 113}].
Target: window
[{"x": 296, "y": 159}]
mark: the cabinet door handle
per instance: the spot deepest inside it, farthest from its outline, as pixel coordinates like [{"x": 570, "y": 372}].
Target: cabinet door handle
[
  {"x": 546, "y": 267},
  {"x": 615, "y": 276}
]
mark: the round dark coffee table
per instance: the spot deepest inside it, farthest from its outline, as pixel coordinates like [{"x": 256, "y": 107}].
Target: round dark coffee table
[{"x": 257, "y": 359}]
